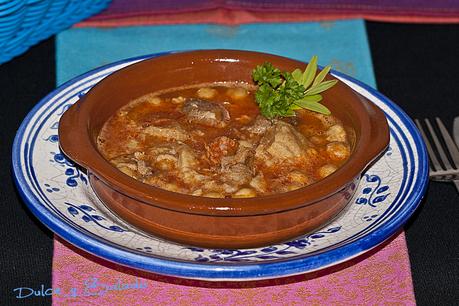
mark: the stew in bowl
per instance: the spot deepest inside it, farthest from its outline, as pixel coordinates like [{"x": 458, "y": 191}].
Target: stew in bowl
[{"x": 177, "y": 146}]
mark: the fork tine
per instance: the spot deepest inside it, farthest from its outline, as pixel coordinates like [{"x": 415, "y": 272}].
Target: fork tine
[
  {"x": 453, "y": 151},
  {"x": 435, "y": 165},
  {"x": 438, "y": 145}
]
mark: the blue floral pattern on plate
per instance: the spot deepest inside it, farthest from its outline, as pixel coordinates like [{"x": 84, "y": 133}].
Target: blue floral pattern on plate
[
  {"x": 289, "y": 248},
  {"x": 88, "y": 214},
  {"x": 372, "y": 195}
]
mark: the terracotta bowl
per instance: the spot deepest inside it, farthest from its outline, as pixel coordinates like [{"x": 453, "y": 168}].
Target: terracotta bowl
[{"x": 208, "y": 222}]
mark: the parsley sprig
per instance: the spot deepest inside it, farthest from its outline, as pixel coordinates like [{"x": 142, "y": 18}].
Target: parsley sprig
[{"x": 280, "y": 93}]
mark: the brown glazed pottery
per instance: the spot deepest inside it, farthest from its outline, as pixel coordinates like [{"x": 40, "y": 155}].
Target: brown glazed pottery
[{"x": 209, "y": 222}]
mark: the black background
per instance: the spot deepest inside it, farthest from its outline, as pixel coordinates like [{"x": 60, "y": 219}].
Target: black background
[{"x": 415, "y": 65}]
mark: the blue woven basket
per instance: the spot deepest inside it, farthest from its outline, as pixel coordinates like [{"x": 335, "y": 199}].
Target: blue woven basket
[{"x": 23, "y": 23}]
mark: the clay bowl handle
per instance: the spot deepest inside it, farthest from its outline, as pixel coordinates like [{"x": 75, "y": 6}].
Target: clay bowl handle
[{"x": 73, "y": 134}]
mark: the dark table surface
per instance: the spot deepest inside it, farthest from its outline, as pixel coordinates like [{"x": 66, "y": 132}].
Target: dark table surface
[{"x": 415, "y": 65}]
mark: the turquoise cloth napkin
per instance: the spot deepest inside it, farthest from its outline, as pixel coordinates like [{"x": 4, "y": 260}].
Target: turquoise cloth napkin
[{"x": 343, "y": 44}]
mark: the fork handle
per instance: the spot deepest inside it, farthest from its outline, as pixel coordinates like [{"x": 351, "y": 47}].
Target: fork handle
[{"x": 456, "y": 182}]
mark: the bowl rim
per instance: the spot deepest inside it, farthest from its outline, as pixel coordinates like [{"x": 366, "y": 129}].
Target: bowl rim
[{"x": 74, "y": 125}]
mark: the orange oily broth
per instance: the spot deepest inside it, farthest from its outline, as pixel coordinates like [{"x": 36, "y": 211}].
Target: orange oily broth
[{"x": 122, "y": 136}]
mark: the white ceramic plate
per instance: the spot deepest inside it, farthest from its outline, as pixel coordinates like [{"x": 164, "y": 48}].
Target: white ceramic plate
[{"x": 59, "y": 195}]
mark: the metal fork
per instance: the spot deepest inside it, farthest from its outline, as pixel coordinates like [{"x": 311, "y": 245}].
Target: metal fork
[{"x": 444, "y": 171}]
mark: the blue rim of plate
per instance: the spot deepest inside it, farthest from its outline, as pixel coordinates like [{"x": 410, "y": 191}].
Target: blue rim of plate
[{"x": 245, "y": 271}]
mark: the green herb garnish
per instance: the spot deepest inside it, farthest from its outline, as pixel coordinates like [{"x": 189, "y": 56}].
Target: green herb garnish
[{"x": 279, "y": 93}]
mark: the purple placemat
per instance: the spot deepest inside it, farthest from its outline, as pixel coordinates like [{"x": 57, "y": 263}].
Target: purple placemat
[{"x": 136, "y": 12}]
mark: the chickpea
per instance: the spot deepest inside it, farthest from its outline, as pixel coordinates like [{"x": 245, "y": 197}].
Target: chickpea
[
  {"x": 336, "y": 133},
  {"x": 244, "y": 119},
  {"x": 197, "y": 192},
  {"x": 237, "y": 93},
  {"x": 213, "y": 195},
  {"x": 148, "y": 98},
  {"x": 171, "y": 187},
  {"x": 178, "y": 100},
  {"x": 122, "y": 113},
  {"x": 206, "y": 93},
  {"x": 299, "y": 177},
  {"x": 326, "y": 170},
  {"x": 245, "y": 193},
  {"x": 155, "y": 100},
  {"x": 338, "y": 151},
  {"x": 294, "y": 187}
]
